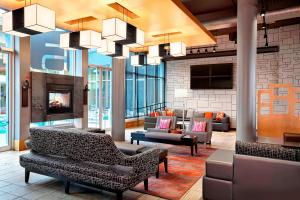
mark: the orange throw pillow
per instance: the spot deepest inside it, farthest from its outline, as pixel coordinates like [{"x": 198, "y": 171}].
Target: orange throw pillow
[
  {"x": 169, "y": 113},
  {"x": 219, "y": 116},
  {"x": 208, "y": 115},
  {"x": 154, "y": 114}
]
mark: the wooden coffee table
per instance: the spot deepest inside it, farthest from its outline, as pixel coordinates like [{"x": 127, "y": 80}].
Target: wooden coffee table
[{"x": 186, "y": 140}]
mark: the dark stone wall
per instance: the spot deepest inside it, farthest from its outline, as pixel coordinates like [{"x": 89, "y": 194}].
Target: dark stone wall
[{"x": 39, "y": 83}]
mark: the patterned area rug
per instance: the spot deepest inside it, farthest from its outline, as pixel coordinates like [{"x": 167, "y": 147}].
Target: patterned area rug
[{"x": 184, "y": 171}]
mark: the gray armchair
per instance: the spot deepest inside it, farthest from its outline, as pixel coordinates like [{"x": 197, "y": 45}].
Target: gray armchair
[
  {"x": 157, "y": 129},
  {"x": 202, "y": 136}
]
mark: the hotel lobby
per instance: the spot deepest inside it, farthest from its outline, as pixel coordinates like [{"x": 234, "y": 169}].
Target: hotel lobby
[{"x": 150, "y": 99}]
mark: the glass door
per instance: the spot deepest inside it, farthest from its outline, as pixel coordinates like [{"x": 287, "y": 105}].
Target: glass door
[
  {"x": 99, "y": 101},
  {"x": 106, "y": 99},
  {"x": 5, "y": 138}
]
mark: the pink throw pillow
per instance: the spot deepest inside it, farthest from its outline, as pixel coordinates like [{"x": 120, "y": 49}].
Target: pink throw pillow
[
  {"x": 199, "y": 126},
  {"x": 164, "y": 123}
]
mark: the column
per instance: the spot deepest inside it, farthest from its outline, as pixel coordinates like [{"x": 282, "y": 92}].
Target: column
[
  {"x": 118, "y": 99},
  {"x": 82, "y": 70},
  {"x": 21, "y": 115},
  {"x": 246, "y": 69}
]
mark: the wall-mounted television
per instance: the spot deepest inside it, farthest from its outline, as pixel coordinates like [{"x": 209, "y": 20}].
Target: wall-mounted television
[{"x": 212, "y": 76}]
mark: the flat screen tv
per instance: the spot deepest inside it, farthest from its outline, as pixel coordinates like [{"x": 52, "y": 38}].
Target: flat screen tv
[{"x": 212, "y": 76}]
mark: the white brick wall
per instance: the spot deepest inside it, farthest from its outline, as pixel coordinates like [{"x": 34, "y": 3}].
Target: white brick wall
[{"x": 279, "y": 67}]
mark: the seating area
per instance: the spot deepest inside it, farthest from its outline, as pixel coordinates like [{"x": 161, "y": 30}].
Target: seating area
[
  {"x": 218, "y": 124},
  {"x": 149, "y": 100}
]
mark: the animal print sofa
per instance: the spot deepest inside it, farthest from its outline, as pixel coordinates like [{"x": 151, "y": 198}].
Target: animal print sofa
[{"x": 87, "y": 158}]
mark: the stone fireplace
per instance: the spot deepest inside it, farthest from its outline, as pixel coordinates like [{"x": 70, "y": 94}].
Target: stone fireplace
[{"x": 56, "y": 97}]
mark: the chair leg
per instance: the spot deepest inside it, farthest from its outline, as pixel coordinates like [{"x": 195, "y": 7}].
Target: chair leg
[
  {"x": 166, "y": 165},
  {"x": 27, "y": 174},
  {"x": 119, "y": 195},
  {"x": 146, "y": 184},
  {"x": 67, "y": 187}
]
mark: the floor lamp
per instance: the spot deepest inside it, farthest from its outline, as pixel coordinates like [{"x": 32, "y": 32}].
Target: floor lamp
[{"x": 182, "y": 93}]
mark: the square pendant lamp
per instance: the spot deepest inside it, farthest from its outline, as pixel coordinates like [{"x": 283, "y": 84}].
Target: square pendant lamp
[
  {"x": 39, "y": 18},
  {"x": 30, "y": 20},
  {"x": 153, "y": 60},
  {"x": 114, "y": 29},
  {"x": 177, "y": 49},
  {"x": 90, "y": 39},
  {"x": 137, "y": 60},
  {"x": 122, "y": 51},
  {"x": 134, "y": 37},
  {"x": 157, "y": 51},
  {"x": 80, "y": 40},
  {"x": 108, "y": 47}
]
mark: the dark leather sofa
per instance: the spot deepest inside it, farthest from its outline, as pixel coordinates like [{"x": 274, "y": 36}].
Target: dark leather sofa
[{"x": 253, "y": 171}]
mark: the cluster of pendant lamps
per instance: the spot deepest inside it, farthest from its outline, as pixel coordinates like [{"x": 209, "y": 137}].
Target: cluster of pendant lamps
[{"x": 115, "y": 40}]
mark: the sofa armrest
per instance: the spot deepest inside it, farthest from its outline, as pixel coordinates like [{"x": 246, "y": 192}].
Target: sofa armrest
[
  {"x": 225, "y": 120},
  {"x": 219, "y": 165},
  {"x": 158, "y": 130},
  {"x": 144, "y": 164}
]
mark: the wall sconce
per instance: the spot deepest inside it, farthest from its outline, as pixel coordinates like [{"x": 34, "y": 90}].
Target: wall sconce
[
  {"x": 25, "y": 91},
  {"x": 85, "y": 94}
]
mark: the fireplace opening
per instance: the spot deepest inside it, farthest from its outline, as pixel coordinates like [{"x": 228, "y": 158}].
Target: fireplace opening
[{"x": 59, "y": 101}]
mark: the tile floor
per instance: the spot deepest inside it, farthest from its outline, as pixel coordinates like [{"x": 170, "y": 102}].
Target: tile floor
[{"x": 12, "y": 185}]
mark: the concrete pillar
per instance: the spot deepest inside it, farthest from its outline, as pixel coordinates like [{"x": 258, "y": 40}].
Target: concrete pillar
[
  {"x": 82, "y": 70},
  {"x": 246, "y": 69},
  {"x": 118, "y": 99},
  {"x": 21, "y": 72}
]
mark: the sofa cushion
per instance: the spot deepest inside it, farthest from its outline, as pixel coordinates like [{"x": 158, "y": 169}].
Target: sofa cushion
[
  {"x": 189, "y": 113},
  {"x": 150, "y": 120},
  {"x": 164, "y": 136},
  {"x": 75, "y": 144},
  {"x": 220, "y": 116},
  {"x": 199, "y": 126},
  {"x": 265, "y": 150},
  {"x": 198, "y": 114},
  {"x": 219, "y": 165},
  {"x": 111, "y": 172},
  {"x": 208, "y": 115},
  {"x": 129, "y": 149},
  {"x": 164, "y": 123},
  {"x": 214, "y": 115},
  {"x": 179, "y": 112}
]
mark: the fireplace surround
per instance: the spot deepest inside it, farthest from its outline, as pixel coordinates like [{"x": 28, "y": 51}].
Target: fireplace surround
[{"x": 56, "y": 97}]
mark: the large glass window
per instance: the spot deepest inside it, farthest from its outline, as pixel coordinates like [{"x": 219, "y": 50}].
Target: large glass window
[
  {"x": 47, "y": 57},
  {"x": 4, "y": 99},
  {"x": 99, "y": 100},
  {"x": 6, "y": 47},
  {"x": 145, "y": 89}
]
